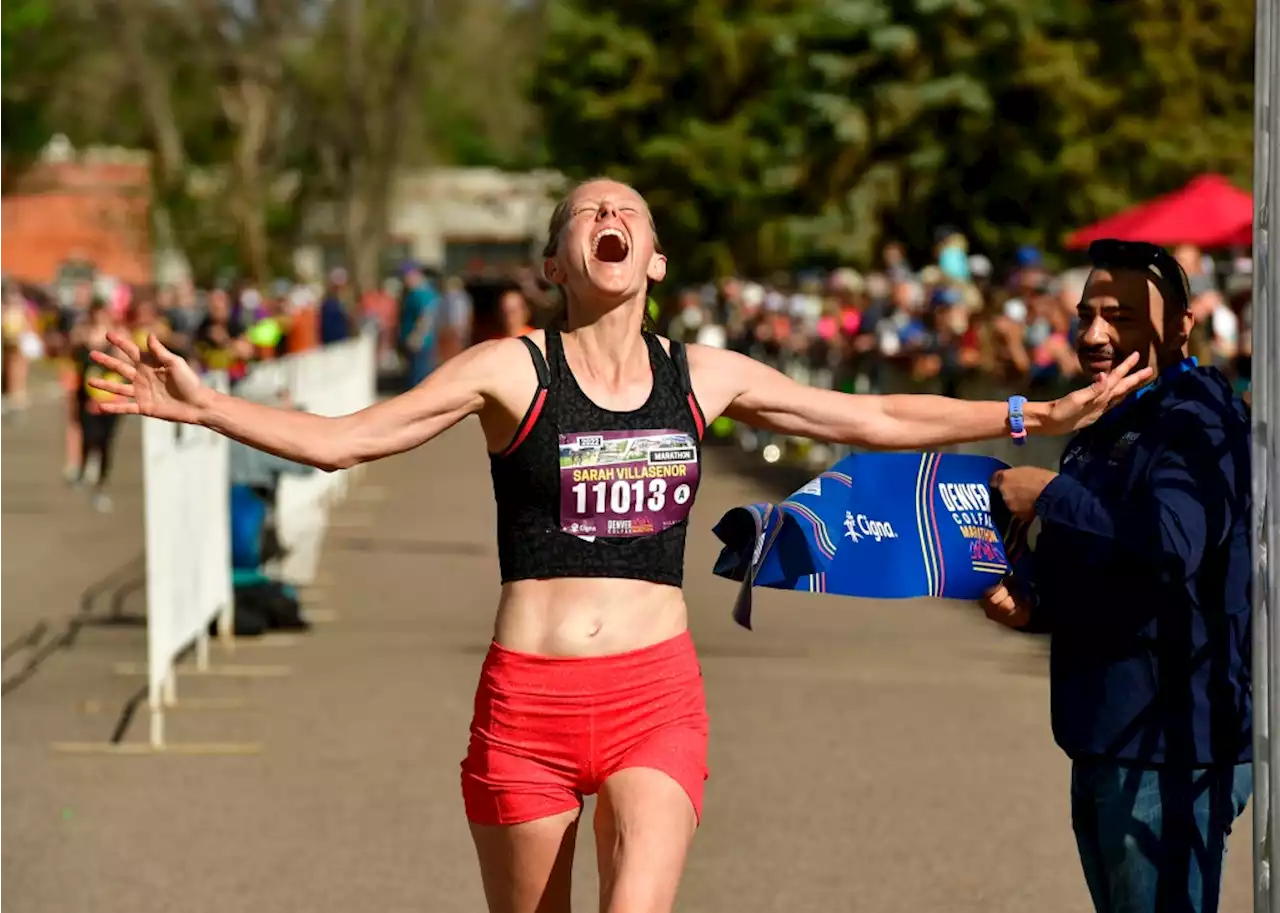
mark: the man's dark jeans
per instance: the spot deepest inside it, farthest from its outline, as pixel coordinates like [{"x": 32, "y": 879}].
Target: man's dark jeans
[{"x": 1154, "y": 841}]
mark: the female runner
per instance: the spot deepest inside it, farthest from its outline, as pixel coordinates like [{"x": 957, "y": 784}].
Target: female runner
[{"x": 591, "y": 684}]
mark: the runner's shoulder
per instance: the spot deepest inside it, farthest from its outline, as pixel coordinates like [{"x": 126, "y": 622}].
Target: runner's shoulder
[
  {"x": 508, "y": 353},
  {"x": 713, "y": 360},
  {"x": 493, "y": 354},
  {"x": 500, "y": 366}
]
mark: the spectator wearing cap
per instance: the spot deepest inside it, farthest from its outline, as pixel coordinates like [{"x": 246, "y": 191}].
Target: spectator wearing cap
[
  {"x": 418, "y": 318},
  {"x": 1142, "y": 573},
  {"x": 1029, "y": 276}
]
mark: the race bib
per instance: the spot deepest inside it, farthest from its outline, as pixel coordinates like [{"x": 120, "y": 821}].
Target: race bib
[{"x": 626, "y": 483}]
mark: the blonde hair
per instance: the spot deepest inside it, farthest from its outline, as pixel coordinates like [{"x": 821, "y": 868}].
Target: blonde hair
[
  {"x": 563, "y": 212},
  {"x": 560, "y": 217}
]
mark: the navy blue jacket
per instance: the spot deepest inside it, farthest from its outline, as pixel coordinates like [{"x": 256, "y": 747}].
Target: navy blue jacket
[{"x": 1143, "y": 574}]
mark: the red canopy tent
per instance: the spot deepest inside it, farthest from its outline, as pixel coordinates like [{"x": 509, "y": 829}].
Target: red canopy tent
[
  {"x": 1242, "y": 238},
  {"x": 1208, "y": 212}
]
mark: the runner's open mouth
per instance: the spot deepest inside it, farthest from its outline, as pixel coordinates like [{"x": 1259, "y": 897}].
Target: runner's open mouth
[{"x": 610, "y": 246}]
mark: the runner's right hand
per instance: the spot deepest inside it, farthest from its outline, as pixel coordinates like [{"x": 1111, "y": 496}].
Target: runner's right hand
[{"x": 160, "y": 383}]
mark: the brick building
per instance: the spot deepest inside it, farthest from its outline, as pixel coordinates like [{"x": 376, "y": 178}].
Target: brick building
[{"x": 74, "y": 213}]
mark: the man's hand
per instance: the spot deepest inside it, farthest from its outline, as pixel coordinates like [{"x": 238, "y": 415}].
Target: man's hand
[
  {"x": 1002, "y": 606},
  {"x": 1020, "y": 487}
]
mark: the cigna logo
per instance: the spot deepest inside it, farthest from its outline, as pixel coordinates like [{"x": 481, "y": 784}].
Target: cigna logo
[{"x": 860, "y": 526}]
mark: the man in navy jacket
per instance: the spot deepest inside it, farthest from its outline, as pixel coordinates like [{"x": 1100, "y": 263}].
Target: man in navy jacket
[{"x": 1142, "y": 575}]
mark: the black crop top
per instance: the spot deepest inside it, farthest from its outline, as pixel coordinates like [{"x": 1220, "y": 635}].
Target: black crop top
[{"x": 586, "y": 492}]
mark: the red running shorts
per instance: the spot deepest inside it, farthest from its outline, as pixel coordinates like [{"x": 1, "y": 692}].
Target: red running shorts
[{"x": 548, "y": 730}]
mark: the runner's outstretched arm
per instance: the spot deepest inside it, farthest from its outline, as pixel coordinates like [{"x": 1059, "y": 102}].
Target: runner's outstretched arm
[
  {"x": 748, "y": 391},
  {"x": 165, "y": 387}
]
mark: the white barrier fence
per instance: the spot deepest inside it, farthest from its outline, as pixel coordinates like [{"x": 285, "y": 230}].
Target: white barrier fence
[
  {"x": 188, "y": 539},
  {"x": 336, "y": 380},
  {"x": 187, "y": 509}
]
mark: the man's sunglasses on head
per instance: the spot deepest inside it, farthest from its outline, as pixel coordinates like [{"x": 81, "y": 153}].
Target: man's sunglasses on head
[{"x": 1110, "y": 253}]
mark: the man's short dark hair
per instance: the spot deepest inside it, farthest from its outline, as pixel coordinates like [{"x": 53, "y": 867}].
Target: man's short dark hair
[{"x": 1159, "y": 265}]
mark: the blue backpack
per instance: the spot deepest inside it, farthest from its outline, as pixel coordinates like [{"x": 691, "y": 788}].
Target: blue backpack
[{"x": 248, "y": 523}]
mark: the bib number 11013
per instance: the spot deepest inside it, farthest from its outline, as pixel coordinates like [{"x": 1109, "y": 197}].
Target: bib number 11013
[
  {"x": 626, "y": 483},
  {"x": 621, "y": 497}
]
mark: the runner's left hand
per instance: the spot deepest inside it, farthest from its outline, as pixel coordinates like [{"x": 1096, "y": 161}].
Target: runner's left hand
[{"x": 1085, "y": 406}]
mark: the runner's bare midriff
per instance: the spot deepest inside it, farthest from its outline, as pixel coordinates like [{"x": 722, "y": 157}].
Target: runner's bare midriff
[{"x": 578, "y": 616}]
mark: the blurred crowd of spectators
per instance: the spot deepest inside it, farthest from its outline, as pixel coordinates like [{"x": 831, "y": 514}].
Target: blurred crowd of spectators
[
  {"x": 225, "y": 329},
  {"x": 897, "y": 328},
  {"x": 958, "y": 318}
]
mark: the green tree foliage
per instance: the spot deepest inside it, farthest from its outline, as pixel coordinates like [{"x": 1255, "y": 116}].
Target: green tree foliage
[
  {"x": 765, "y": 133},
  {"x": 257, "y": 112},
  {"x": 699, "y": 104},
  {"x": 474, "y": 104},
  {"x": 1096, "y": 107},
  {"x": 1020, "y": 167},
  {"x": 1183, "y": 102},
  {"x": 26, "y": 53},
  {"x": 782, "y": 130}
]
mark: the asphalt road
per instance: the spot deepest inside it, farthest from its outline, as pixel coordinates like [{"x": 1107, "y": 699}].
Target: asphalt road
[{"x": 869, "y": 756}]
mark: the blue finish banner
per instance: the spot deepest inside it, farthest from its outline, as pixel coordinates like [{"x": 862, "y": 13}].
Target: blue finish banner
[{"x": 880, "y": 526}]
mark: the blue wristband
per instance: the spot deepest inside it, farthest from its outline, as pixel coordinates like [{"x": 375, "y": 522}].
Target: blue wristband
[{"x": 1017, "y": 428}]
